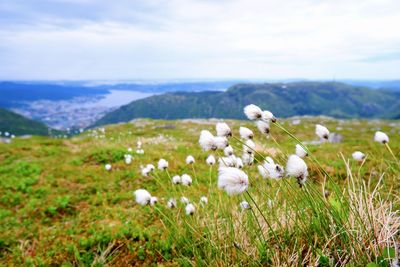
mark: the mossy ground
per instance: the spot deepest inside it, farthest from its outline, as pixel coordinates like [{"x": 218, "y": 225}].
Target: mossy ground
[{"x": 59, "y": 206}]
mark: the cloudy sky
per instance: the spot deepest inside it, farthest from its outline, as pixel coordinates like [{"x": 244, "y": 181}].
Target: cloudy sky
[{"x": 185, "y": 39}]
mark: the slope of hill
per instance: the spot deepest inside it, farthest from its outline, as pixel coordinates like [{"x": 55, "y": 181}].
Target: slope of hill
[
  {"x": 19, "y": 125},
  {"x": 59, "y": 206},
  {"x": 299, "y": 98}
]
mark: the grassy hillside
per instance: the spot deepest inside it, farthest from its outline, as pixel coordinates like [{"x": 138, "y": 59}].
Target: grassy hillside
[
  {"x": 59, "y": 206},
  {"x": 20, "y": 125},
  {"x": 299, "y": 98}
]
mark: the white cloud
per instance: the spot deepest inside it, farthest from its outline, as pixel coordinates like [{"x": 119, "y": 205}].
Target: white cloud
[{"x": 202, "y": 39}]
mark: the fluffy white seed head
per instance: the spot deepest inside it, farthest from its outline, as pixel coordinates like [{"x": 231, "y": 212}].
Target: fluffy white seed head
[
  {"x": 207, "y": 141},
  {"x": 232, "y": 180},
  {"x": 210, "y": 160},
  {"x": 381, "y": 137},
  {"x": 142, "y": 197},
  {"x": 189, "y": 159},
  {"x": 176, "y": 179},
  {"x": 249, "y": 146},
  {"x": 267, "y": 116},
  {"x": 145, "y": 171},
  {"x": 263, "y": 127},
  {"x": 248, "y": 158},
  {"x": 150, "y": 167},
  {"x": 221, "y": 142},
  {"x": 358, "y": 156},
  {"x": 140, "y": 151},
  {"x": 296, "y": 167},
  {"x": 228, "y": 151},
  {"x": 185, "y": 200},
  {"x": 153, "y": 201},
  {"x": 107, "y": 167},
  {"x": 227, "y": 161},
  {"x": 204, "y": 199},
  {"x": 239, "y": 163},
  {"x": 252, "y": 112},
  {"x": 246, "y": 133},
  {"x": 128, "y": 160},
  {"x": 171, "y": 203},
  {"x": 300, "y": 151},
  {"x": 223, "y": 129},
  {"x": 129, "y": 149},
  {"x": 269, "y": 169},
  {"x": 190, "y": 209},
  {"x": 244, "y": 205},
  {"x": 186, "y": 180},
  {"x": 162, "y": 164},
  {"x": 321, "y": 131}
]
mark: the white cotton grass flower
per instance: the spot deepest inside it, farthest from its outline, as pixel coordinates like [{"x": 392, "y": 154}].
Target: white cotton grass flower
[
  {"x": 129, "y": 149},
  {"x": 267, "y": 116},
  {"x": 263, "y": 127},
  {"x": 244, "y": 205},
  {"x": 358, "y": 156},
  {"x": 176, "y": 179},
  {"x": 381, "y": 137},
  {"x": 150, "y": 167},
  {"x": 128, "y": 159},
  {"x": 239, "y": 163},
  {"x": 232, "y": 180},
  {"x": 204, "y": 199},
  {"x": 221, "y": 142},
  {"x": 162, "y": 164},
  {"x": 296, "y": 167},
  {"x": 140, "y": 151},
  {"x": 171, "y": 203},
  {"x": 300, "y": 151},
  {"x": 145, "y": 171},
  {"x": 139, "y": 144},
  {"x": 153, "y": 201},
  {"x": 142, "y": 197},
  {"x": 321, "y": 131},
  {"x": 190, "y": 209},
  {"x": 252, "y": 112},
  {"x": 223, "y": 129},
  {"x": 248, "y": 158},
  {"x": 269, "y": 169},
  {"x": 185, "y": 200},
  {"x": 108, "y": 167},
  {"x": 228, "y": 151},
  {"x": 227, "y": 161},
  {"x": 246, "y": 133},
  {"x": 190, "y": 159},
  {"x": 210, "y": 160},
  {"x": 249, "y": 146},
  {"x": 207, "y": 141},
  {"x": 186, "y": 179}
]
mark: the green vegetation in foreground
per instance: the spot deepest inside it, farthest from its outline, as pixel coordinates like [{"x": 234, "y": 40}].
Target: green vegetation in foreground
[
  {"x": 59, "y": 206},
  {"x": 20, "y": 125},
  {"x": 290, "y": 99}
]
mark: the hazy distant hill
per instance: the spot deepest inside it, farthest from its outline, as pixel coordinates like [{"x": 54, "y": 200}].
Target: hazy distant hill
[
  {"x": 298, "y": 98},
  {"x": 20, "y": 125},
  {"x": 13, "y": 93}
]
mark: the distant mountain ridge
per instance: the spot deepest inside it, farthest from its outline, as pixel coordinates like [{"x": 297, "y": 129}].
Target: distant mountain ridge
[
  {"x": 13, "y": 94},
  {"x": 283, "y": 99}
]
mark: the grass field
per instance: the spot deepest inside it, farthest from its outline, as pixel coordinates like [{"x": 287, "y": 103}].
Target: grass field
[{"x": 59, "y": 206}]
